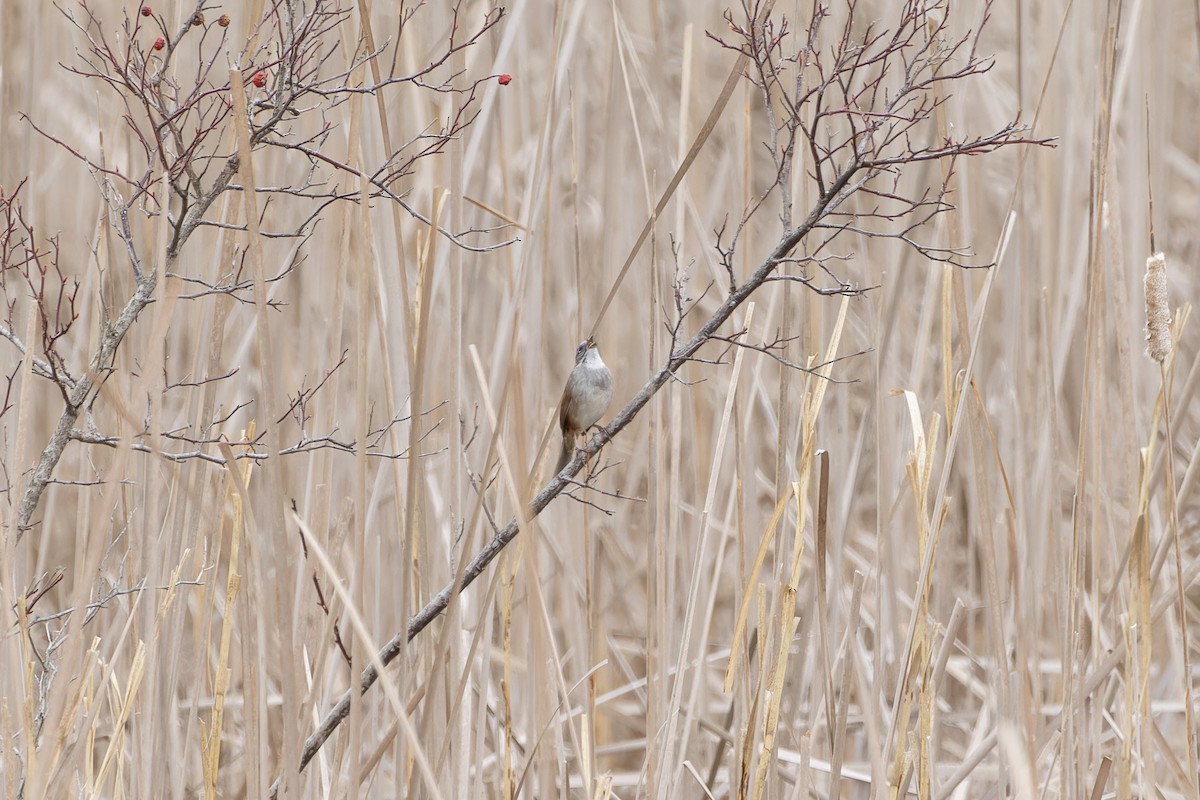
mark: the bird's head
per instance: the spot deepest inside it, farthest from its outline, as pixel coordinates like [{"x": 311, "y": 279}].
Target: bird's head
[{"x": 585, "y": 347}]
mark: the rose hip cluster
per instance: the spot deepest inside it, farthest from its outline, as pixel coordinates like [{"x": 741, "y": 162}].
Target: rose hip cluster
[{"x": 260, "y": 77}]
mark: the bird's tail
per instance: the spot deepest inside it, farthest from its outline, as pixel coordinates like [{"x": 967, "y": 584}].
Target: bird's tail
[{"x": 565, "y": 455}]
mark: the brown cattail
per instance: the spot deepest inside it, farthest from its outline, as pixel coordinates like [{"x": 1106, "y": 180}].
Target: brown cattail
[{"x": 1158, "y": 313}]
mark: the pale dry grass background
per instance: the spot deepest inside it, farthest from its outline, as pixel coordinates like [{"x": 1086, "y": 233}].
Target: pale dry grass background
[{"x": 591, "y": 657}]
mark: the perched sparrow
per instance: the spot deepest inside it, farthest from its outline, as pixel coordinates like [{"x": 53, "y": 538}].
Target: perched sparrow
[{"x": 585, "y": 398}]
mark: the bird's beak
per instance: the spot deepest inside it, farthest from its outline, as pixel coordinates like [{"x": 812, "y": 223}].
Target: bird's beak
[{"x": 592, "y": 341}]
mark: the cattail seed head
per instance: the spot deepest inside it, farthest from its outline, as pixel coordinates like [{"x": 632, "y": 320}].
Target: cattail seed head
[{"x": 1158, "y": 312}]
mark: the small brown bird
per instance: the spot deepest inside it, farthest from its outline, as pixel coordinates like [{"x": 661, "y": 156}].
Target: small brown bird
[{"x": 585, "y": 398}]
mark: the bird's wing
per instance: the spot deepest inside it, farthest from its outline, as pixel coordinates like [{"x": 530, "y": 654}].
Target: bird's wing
[{"x": 563, "y": 406}]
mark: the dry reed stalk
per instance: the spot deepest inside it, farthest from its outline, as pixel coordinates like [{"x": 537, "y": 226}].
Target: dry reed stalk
[
  {"x": 917, "y": 668},
  {"x": 1089, "y": 437},
  {"x": 402, "y": 596},
  {"x": 1159, "y": 338},
  {"x": 670, "y": 782},
  {"x": 363, "y": 270},
  {"x": 211, "y": 739},
  {"x": 783, "y": 625},
  {"x": 268, "y": 404},
  {"x": 122, "y": 706},
  {"x": 1101, "y": 779}
]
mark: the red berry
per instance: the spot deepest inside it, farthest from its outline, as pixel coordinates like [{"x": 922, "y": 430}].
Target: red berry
[
  {"x": 146, "y": 11},
  {"x": 260, "y": 79},
  {"x": 160, "y": 43},
  {"x": 504, "y": 80}
]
